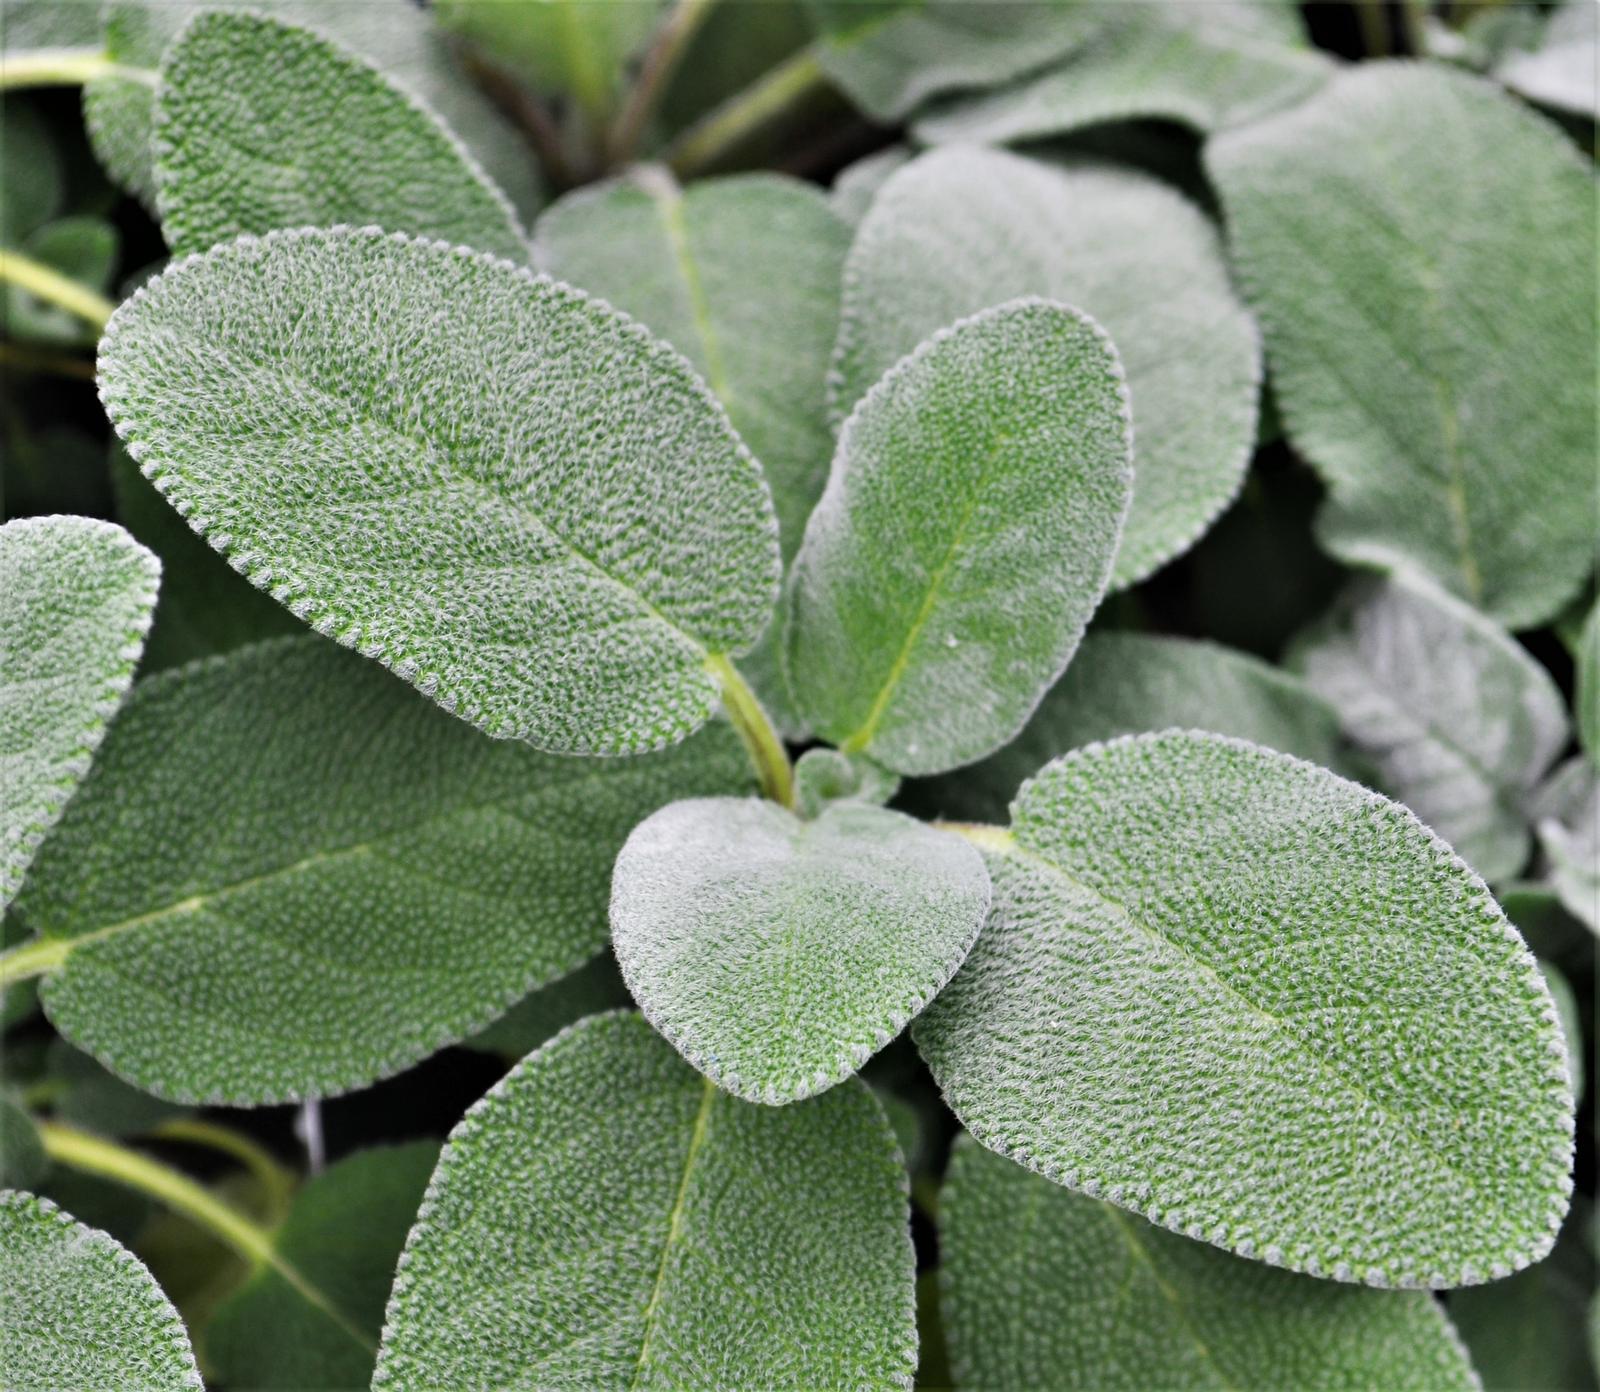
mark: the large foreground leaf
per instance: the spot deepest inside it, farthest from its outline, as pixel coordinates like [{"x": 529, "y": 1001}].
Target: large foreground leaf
[
  {"x": 606, "y": 1217},
  {"x": 288, "y": 874},
  {"x": 501, "y": 488},
  {"x": 1265, "y": 1008},
  {"x": 1450, "y": 412},
  {"x": 959, "y": 230}
]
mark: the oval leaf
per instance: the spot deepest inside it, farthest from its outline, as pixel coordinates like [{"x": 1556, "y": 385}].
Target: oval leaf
[{"x": 778, "y": 955}]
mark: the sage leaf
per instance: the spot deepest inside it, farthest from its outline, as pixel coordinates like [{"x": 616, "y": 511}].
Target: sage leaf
[
  {"x": 1329, "y": 1049},
  {"x": 605, "y": 1217},
  {"x": 959, "y": 230},
  {"x": 504, "y": 490},
  {"x": 1449, "y": 412},
  {"x": 80, "y": 1309},
  {"x": 1567, "y": 815},
  {"x": 289, "y": 875},
  {"x": 1560, "y": 72},
  {"x": 1042, "y": 1287},
  {"x": 1587, "y": 678},
  {"x": 76, "y": 597},
  {"x": 823, "y": 776},
  {"x": 22, "y": 1157},
  {"x": 1459, "y": 721},
  {"x": 260, "y": 125},
  {"x": 964, "y": 538},
  {"x": 85, "y": 1095},
  {"x": 778, "y": 955},
  {"x": 856, "y": 185},
  {"x": 35, "y": 24}
]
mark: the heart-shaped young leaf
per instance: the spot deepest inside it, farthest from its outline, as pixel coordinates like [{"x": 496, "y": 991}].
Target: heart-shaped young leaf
[
  {"x": 965, "y": 536},
  {"x": 288, "y": 874},
  {"x": 777, "y": 954},
  {"x": 1265, "y": 1008},
  {"x": 260, "y": 124},
  {"x": 958, "y": 230},
  {"x": 823, "y": 775},
  {"x": 506, "y": 491},
  {"x": 1041, "y": 1287},
  {"x": 1457, "y": 718},
  {"x": 76, "y": 597},
  {"x": 80, "y": 1310},
  {"x": 606, "y": 1217},
  {"x": 1450, "y": 412}
]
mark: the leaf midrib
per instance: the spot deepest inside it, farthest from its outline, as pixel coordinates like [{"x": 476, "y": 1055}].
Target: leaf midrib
[{"x": 668, "y": 199}]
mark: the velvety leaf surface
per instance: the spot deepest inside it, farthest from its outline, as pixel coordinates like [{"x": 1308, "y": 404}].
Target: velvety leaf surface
[
  {"x": 76, "y": 597},
  {"x": 823, "y": 776},
  {"x": 504, "y": 490},
  {"x": 78, "y": 1310},
  {"x": 260, "y": 125},
  {"x": 1563, "y": 70},
  {"x": 1449, "y": 411},
  {"x": 1044, "y": 1288},
  {"x": 288, "y": 874},
  {"x": 1456, "y": 716},
  {"x": 605, "y": 1217},
  {"x": 1329, "y": 1049},
  {"x": 959, "y": 230},
  {"x": 965, "y": 536},
  {"x": 778, "y": 955}
]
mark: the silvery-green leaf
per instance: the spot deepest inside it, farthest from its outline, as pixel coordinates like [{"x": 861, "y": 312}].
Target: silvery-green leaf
[
  {"x": 778, "y": 955},
  {"x": 1566, "y": 813},
  {"x": 288, "y": 874},
  {"x": 1563, "y": 71},
  {"x": 856, "y": 185},
  {"x": 260, "y": 124},
  {"x": 1327, "y": 1049},
  {"x": 1449, "y": 411},
  {"x": 80, "y": 1310},
  {"x": 959, "y": 230},
  {"x": 1457, "y": 718},
  {"x": 964, "y": 538},
  {"x": 36, "y": 24},
  {"x": 505, "y": 490},
  {"x": 544, "y": 1013},
  {"x": 1131, "y": 683},
  {"x": 76, "y": 597},
  {"x": 823, "y": 776},
  {"x": 22, "y": 1157},
  {"x": 606, "y": 1217},
  {"x": 1042, "y": 1287}
]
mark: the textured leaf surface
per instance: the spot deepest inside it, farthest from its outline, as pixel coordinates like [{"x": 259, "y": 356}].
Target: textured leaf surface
[
  {"x": 823, "y": 775},
  {"x": 778, "y": 955},
  {"x": 1046, "y": 1288},
  {"x": 504, "y": 490},
  {"x": 76, "y": 597},
  {"x": 1450, "y": 412},
  {"x": 1328, "y": 1048},
  {"x": 261, "y": 125},
  {"x": 965, "y": 536},
  {"x": 1458, "y": 719},
  {"x": 78, "y": 1310},
  {"x": 1563, "y": 71},
  {"x": 605, "y": 1217},
  {"x": 959, "y": 230},
  {"x": 289, "y": 875}
]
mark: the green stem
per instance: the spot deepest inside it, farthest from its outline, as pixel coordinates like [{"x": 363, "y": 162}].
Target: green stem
[
  {"x": 766, "y": 749},
  {"x": 1374, "y": 27},
  {"x": 660, "y": 63},
  {"x": 711, "y": 137},
  {"x": 54, "y": 288},
  {"x": 64, "y": 67},
  {"x": 274, "y": 1178},
  {"x": 32, "y": 959}
]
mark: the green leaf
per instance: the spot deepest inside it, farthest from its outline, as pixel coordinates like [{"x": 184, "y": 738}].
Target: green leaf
[
  {"x": 261, "y": 125},
  {"x": 965, "y": 536},
  {"x": 856, "y": 185},
  {"x": 76, "y": 597},
  {"x": 288, "y": 874},
  {"x": 959, "y": 230},
  {"x": 1561, "y": 71},
  {"x": 823, "y": 776},
  {"x": 343, "y": 1234},
  {"x": 1450, "y": 412},
  {"x": 506, "y": 491},
  {"x": 544, "y": 1013},
  {"x": 35, "y": 24},
  {"x": 86, "y": 1095},
  {"x": 606, "y": 1217},
  {"x": 80, "y": 1310},
  {"x": 1045, "y": 1288},
  {"x": 778, "y": 955},
  {"x": 1457, "y": 718},
  {"x": 1263, "y": 1007},
  {"x": 1566, "y": 813},
  {"x": 22, "y": 1157},
  {"x": 1587, "y": 679}
]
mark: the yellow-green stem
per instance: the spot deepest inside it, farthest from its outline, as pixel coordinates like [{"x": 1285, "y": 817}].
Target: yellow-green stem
[
  {"x": 54, "y": 288},
  {"x": 32, "y": 959},
  {"x": 766, "y": 749},
  {"x": 710, "y": 138},
  {"x": 64, "y": 67},
  {"x": 274, "y": 1178},
  {"x": 659, "y": 65}
]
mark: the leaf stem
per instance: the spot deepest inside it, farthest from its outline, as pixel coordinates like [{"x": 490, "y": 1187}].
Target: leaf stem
[
  {"x": 54, "y": 288},
  {"x": 274, "y": 1178},
  {"x": 64, "y": 67},
  {"x": 711, "y": 137},
  {"x": 766, "y": 749},
  {"x": 660, "y": 63},
  {"x": 32, "y": 959}
]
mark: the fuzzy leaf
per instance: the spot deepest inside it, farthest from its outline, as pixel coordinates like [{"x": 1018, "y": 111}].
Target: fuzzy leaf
[
  {"x": 1045, "y": 1288},
  {"x": 823, "y": 776},
  {"x": 1263, "y": 1007},
  {"x": 1456, "y": 717},
  {"x": 260, "y": 125},
  {"x": 504, "y": 490},
  {"x": 605, "y": 1217},
  {"x": 76, "y": 597},
  {"x": 856, "y": 185},
  {"x": 964, "y": 538},
  {"x": 1450, "y": 412},
  {"x": 959, "y": 230},
  {"x": 1563, "y": 71},
  {"x": 288, "y": 874},
  {"x": 79, "y": 1310},
  {"x": 778, "y": 955}
]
